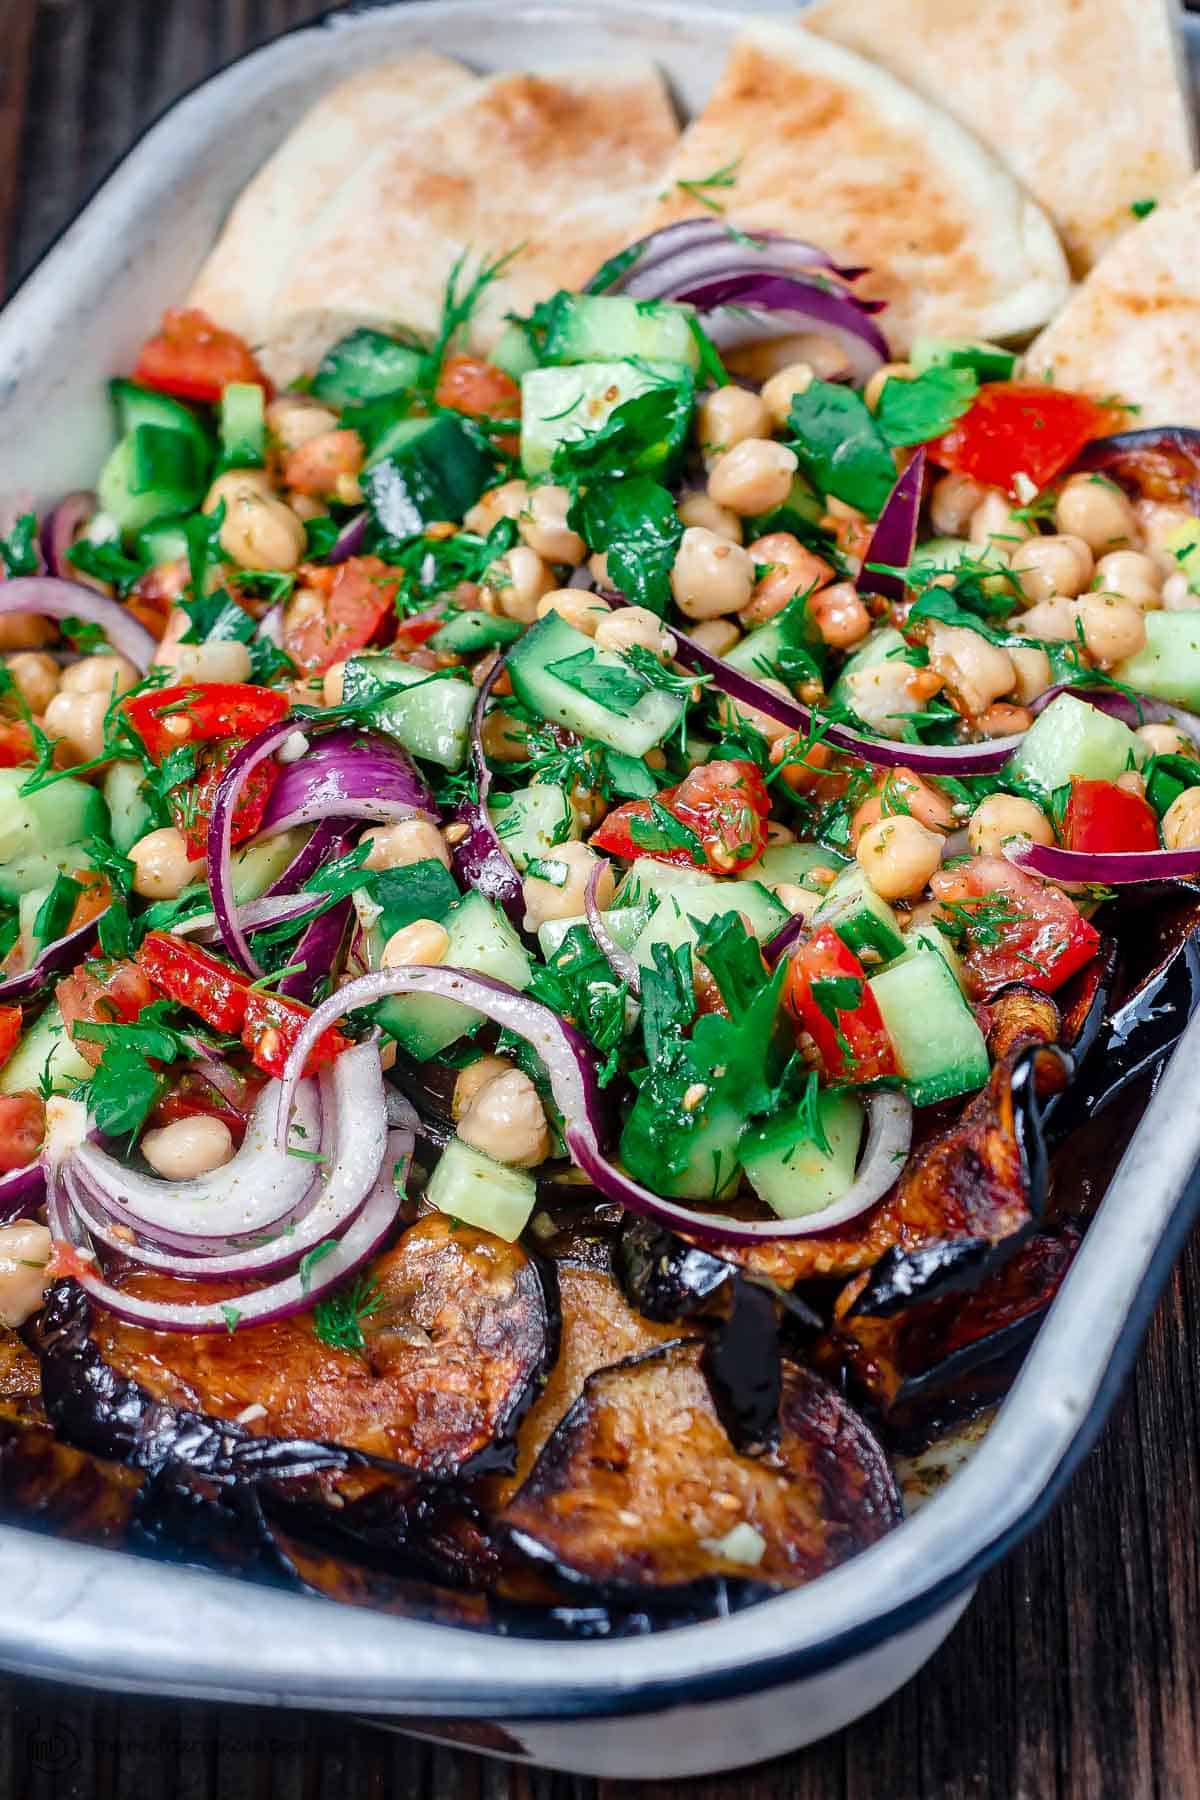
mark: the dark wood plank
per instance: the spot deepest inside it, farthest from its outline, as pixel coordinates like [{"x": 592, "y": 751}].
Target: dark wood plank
[{"x": 1075, "y": 1674}]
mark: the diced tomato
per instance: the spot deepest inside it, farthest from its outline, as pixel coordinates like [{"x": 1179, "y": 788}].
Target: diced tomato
[
  {"x": 1016, "y": 428},
  {"x": 103, "y": 994},
  {"x": 22, "y": 1128},
  {"x": 1101, "y": 817},
  {"x": 1015, "y": 928},
  {"x": 10, "y": 1030},
  {"x": 68, "y": 1263},
  {"x": 723, "y": 807},
  {"x": 826, "y": 993},
  {"x": 272, "y": 1025},
  {"x": 337, "y": 610},
  {"x": 201, "y": 712},
  {"x": 196, "y": 979},
  {"x": 191, "y": 806},
  {"x": 194, "y": 359},
  {"x": 92, "y": 901},
  {"x": 16, "y": 744},
  {"x": 469, "y": 385}
]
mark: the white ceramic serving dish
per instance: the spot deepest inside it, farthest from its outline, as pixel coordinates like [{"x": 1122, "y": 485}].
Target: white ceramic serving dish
[{"x": 705, "y": 1697}]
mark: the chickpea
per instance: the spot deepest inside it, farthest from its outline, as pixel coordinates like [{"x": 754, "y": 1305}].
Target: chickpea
[
  {"x": 975, "y": 670},
  {"x": 26, "y": 631},
  {"x": 731, "y": 710},
  {"x": 1050, "y": 619},
  {"x": 258, "y": 531},
  {"x": 295, "y": 419},
  {"x": 635, "y": 625},
  {"x": 1165, "y": 740},
  {"x": 1156, "y": 521},
  {"x": 1004, "y": 816},
  {"x": 1112, "y": 629},
  {"x": 564, "y": 899},
  {"x": 599, "y": 571},
  {"x": 778, "y": 834},
  {"x": 306, "y": 507},
  {"x": 24, "y": 1253},
  {"x": 333, "y": 684},
  {"x": 515, "y": 583},
  {"x": 791, "y": 569},
  {"x": 698, "y": 509},
  {"x": 1181, "y": 821},
  {"x": 579, "y": 608},
  {"x": 718, "y": 636},
  {"x": 840, "y": 615},
  {"x": 424, "y": 941},
  {"x": 543, "y": 526},
  {"x": 1131, "y": 782},
  {"x": 221, "y": 660},
  {"x": 1033, "y": 671},
  {"x": 1177, "y": 595},
  {"x": 800, "y": 902},
  {"x": 35, "y": 676},
  {"x": 782, "y": 388},
  {"x": 188, "y": 1148},
  {"x": 327, "y": 466},
  {"x": 758, "y": 362},
  {"x": 476, "y": 1075},
  {"x": 753, "y": 477},
  {"x": 1131, "y": 576},
  {"x": 162, "y": 867},
  {"x": 1095, "y": 509},
  {"x": 873, "y": 392},
  {"x": 1046, "y": 566},
  {"x": 78, "y": 720},
  {"x": 902, "y": 793},
  {"x": 107, "y": 674},
  {"x": 994, "y": 524},
  {"x": 898, "y": 856},
  {"x": 506, "y": 1120},
  {"x": 508, "y": 501},
  {"x": 728, "y": 417},
  {"x": 711, "y": 576},
  {"x": 504, "y": 738},
  {"x": 398, "y": 846},
  {"x": 952, "y": 501},
  {"x": 1002, "y": 719},
  {"x": 886, "y": 694}
]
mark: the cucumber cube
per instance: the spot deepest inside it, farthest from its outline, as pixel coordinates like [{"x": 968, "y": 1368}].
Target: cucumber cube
[
  {"x": 794, "y": 1174},
  {"x": 470, "y": 1186},
  {"x": 679, "y": 916},
  {"x": 862, "y": 919},
  {"x": 939, "y": 1047},
  {"x": 1073, "y": 738},
  {"x": 1168, "y": 664}
]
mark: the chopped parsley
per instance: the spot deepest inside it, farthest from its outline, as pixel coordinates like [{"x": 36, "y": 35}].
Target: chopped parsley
[
  {"x": 634, "y": 523},
  {"x": 663, "y": 831},
  {"x": 19, "y": 550}
]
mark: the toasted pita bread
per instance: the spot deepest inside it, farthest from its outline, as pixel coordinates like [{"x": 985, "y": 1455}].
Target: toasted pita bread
[
  {"x": 1084, "y": 100},
  {"x": 833, "y": 149},
  {"x": 238, "y": 283},
  {"x": 557, "y": 168},
  {"x": 1133, "y": 328}
]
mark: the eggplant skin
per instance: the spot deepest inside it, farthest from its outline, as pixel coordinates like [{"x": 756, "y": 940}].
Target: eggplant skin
[
  {"x": 664, "y": 1276},
  {"x": 639, "y": 1484}
]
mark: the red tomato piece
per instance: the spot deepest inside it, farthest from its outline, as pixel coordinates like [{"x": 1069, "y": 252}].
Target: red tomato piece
[
  {"x": 826, "y": 993},
  {"x": 10, "y": 1030},
  {"x": 196, "y": 979},
  {"x": 103, "y": 994},
  {"x": 1101, "y": 817},
  {"x": 191, "y": 806},
  {"x": 1016, "y": 428},
  {"x": 723, "y": 807},
  {"x": 469, "y": 385},
  {"x": 16, "y": 744},
  {"x": 201, "y": 712},
  {"x": 337, "y": 610},
  {"x": 272, "y": 1025},
  {"x": 194, "y": 359},
  {"x": 1015, "y": 928},
  {"x": 22, "y": 1128}
]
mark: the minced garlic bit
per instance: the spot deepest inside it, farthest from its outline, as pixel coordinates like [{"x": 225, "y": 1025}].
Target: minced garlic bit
[{"x": 741, "y": 1544}]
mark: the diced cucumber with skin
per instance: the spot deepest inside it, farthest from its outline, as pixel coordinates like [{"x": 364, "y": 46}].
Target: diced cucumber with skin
[
  {"x": 780, "y": 649},
  {"x": 1168, "y": 665},
  {"x": 153, "y": 473},
  {"x": 65, "y": 812},
  {"x": 623, "y": 924},
  {"x": 642, "y": 727},
  {"x": 599, "y": 328},
  {"x": 40, "y": 870},
  {"x": 424, "y": 470},
  {"x": 470, "y": 1186},
  {"x": 365, "y": 365},
  {"x": 1072, "y": 738},
  {"x": 680, "y": 917},
  {"x": 862, "y": 919},
  {"x": 430, "y": 717},
  {"x": 130, "y": 818},
  {"x": 939, "y": 1047},
  {"x": 466, "y": 633},
  {"x": 792, "y": 1173},
  {"x": 928, "y": 935},
  {"x": 513, "y": 352},
  {"x": 44, "y": 1056},
  {"x": 804, "y": 865},
  {"x": 712, "y": 1166},
  {"x": 481, "y": 939},
  {"x": 943, "y": 555},
  {"x": 145, "y": 406},
  {"x": 243, "y": 426},
  {"x": 559, "y": 405},
  {"x": 988, "y": 361},
  {"x": 532, "y": 821},
  {"x": 257, "y": 866},
  {"x": 647, "y": 882}
]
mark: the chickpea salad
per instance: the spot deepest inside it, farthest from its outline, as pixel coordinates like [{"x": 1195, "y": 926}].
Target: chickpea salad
[{"x": 548, "y": 895}]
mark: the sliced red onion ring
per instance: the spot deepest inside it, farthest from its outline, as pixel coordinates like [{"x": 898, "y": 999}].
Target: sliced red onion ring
[
  {"x": 479, "y": 859},
  {"x": 618, "y": 960},
  {"x": 785, "y": 937},
  {"x": 347, "y": 774},
  {"x": 21, "y": 1192},
  {"x": 54, "y": 598},
  {"x": 708, "y": 249},
  {"x": 254, "y": 915},
  {"x": 1107, "y": 868},
  {"x": 62, "y": 954},
  {"x": 326, "y": 842},
  {"x": 61, "y": 527},
  {"x": 217, "y": 1072},
  {"x": 261, "y": 1188},
  {"x": 770, "y": 306},
  {"x": 317, "y": 953},
  {"x": 270, "y": 627},
  {"x": 571, "y": 1066},
  {"x": 895, "y": 535},
  {"x": 349, "y": 540},
  {"x": 220, "y": 835}
]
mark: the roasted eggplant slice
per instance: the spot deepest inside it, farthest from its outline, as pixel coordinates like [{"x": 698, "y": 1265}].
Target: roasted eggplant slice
[
  {"x": 48, "y": 1486},
  {"x": 639, "y": 1490},
  {"x": 20, "y": 1377}
]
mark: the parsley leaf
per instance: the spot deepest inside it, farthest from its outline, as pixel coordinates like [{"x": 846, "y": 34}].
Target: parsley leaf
[
  {"x": 107, "y": 562},
  {"x": 840, "y": 446},
  {"x": 19, "y": 550},
  {"x": 640, "y": 436},
  {"x": 616, "y": 687},
  {"x": 579, "y": 986},
  {"x": 663, "y": 831},
  {"x": 913, "y": 412},
  {"x": 634, "y": 522},
  {"x": 125, "y": 1086},
  {"x": 668, "y": 999}
]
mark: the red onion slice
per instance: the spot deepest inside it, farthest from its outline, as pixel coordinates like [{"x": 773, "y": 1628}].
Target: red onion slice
[
  {"x": 316, "y": 955},
  {"x": 325, "y": 843},
  {"x": 347, "y": 774},
  {"x": 770, "y": 305},
  {"x": 220, "y": 836},
  {"x": 62, "y": 954},
  {"x": 60, "y": 528},
  {"x": 349, "y": 540},
  {"x": 1111, "y": 868},
  {"x": 479, "y": 860},
  {"x": 1132, "y": 711},
  {"x": 255, "y": 915},
  {"x": 895, "y": 535},
  {"x": 708, "y": 249},
  {"x": 21, "y": 1192},
  {"x": 54, "y": 598},
  {"x": 618, "y": 960},
  {"x": 571, "y": 1066}
]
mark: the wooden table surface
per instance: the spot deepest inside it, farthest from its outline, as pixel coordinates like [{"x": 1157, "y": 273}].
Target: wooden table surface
[{"x": 1077, "y": 1670}]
